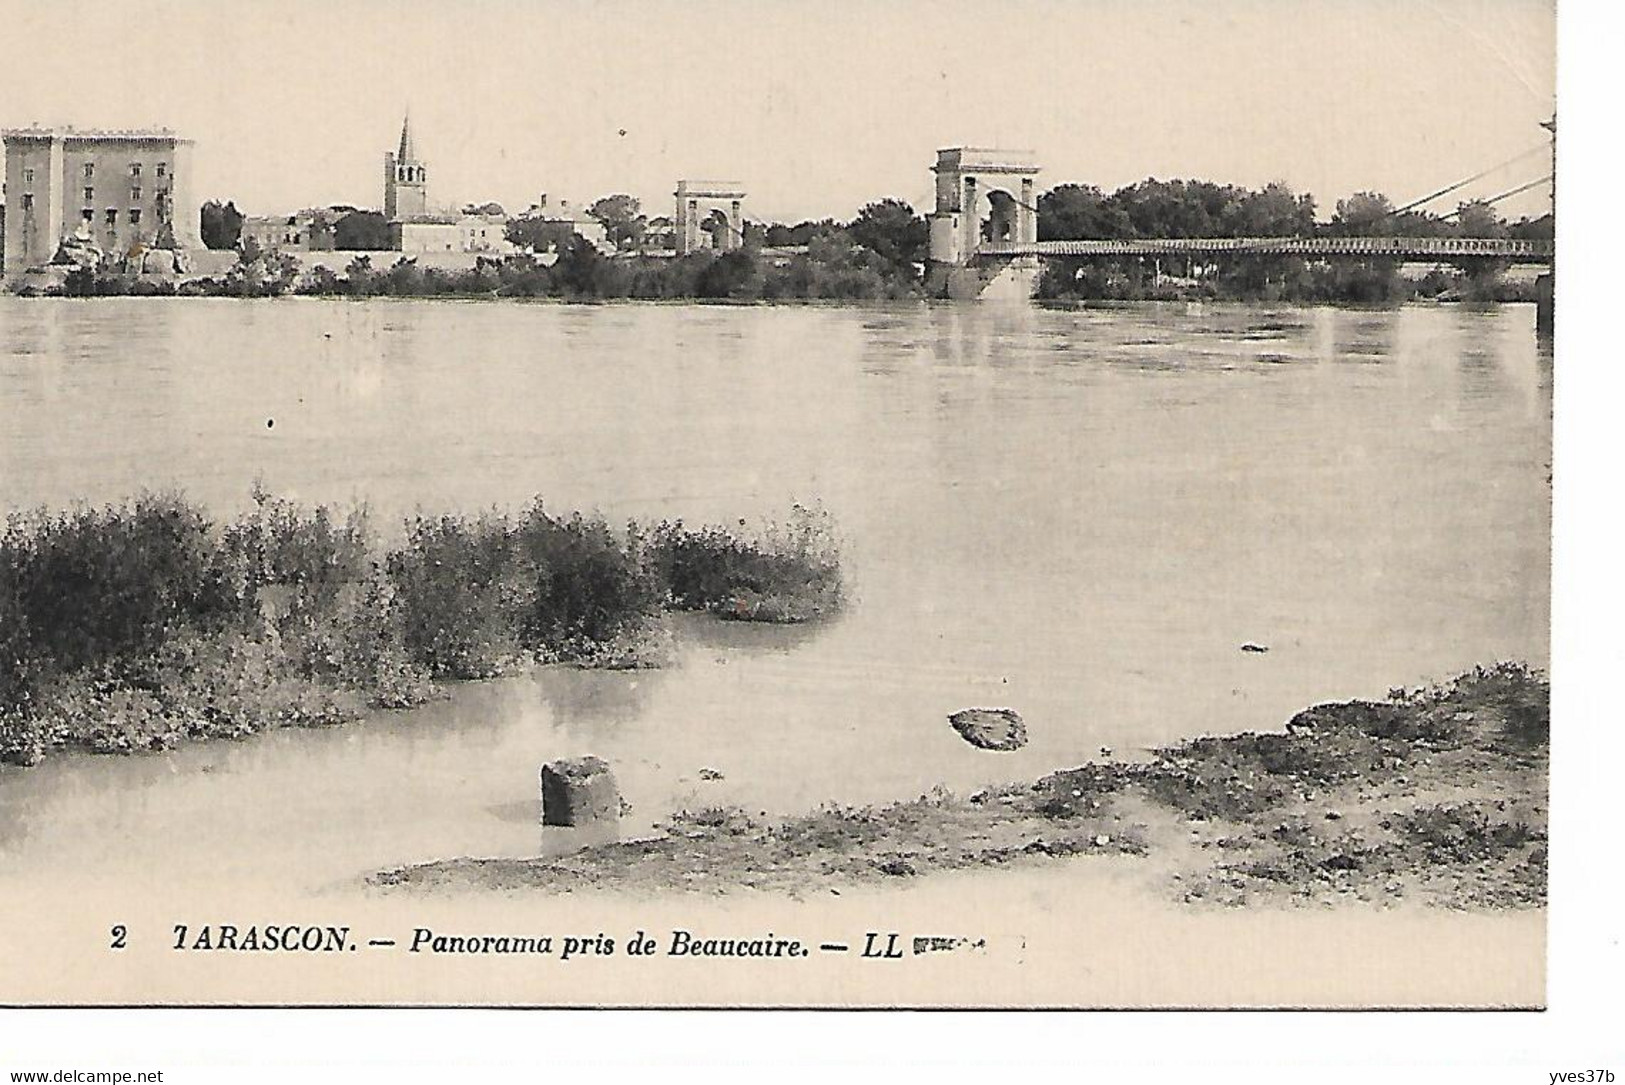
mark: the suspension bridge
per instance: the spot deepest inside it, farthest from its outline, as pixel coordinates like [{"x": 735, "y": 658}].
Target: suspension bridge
[{"x": 984, "y": 234}]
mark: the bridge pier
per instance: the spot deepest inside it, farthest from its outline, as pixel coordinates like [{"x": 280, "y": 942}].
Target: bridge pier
[
  {"x": 984, "y": 195},
  {"x": 1545, "y": 306},
  {"x": 1010, "y": 278}
]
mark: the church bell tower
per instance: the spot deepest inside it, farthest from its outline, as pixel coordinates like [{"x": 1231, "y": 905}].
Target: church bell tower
[{"x": 406, "y": 179}]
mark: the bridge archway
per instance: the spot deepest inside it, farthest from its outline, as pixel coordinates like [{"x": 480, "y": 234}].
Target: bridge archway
[
  {"x": 696, "y": 202},
  {"x": 971, "y": 180},
  {"x": 999, "y": 217},
  {"x": 985, "y": 196}
]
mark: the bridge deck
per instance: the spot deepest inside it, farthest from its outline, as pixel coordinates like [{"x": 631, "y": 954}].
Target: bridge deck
[{"x": 1537, "y": 252}]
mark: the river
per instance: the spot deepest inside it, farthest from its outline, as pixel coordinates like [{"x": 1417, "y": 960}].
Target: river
[{"x": 1079, "y": 514}]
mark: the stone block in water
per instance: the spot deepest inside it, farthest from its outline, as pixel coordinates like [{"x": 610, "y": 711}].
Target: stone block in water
[{"x": 579, "y": 791}]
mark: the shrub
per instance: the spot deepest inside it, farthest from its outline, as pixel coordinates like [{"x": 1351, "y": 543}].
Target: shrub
[
  {"x": 1518, "y": 693},
  {"x": 136, "y": 626},
  {"x": 460, "y": 593},
  {"x": 109, "y": 586},
  {"x": 789, "y": 572},
  {"x": 587, "y": 585},
  {"x": 1463, "y": 833}
]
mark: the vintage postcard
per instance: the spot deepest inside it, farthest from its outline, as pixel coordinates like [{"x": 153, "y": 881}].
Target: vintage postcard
[{"x": 1018, "y": 505}]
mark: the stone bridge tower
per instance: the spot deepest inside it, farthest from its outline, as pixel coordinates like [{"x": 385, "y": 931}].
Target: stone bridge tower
[
  {"x": 985, "y": 196},
  {"x": 694, "y": 198}
]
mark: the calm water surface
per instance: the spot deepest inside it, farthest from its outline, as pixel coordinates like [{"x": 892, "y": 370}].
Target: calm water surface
[{"x": 1082, "y": 515}]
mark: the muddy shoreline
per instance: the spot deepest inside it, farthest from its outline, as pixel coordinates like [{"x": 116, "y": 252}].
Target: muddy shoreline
[{"x": 1435, "y": 796}]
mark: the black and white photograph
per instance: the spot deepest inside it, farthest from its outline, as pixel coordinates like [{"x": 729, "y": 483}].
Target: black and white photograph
[{"x": 904, "y": 505}]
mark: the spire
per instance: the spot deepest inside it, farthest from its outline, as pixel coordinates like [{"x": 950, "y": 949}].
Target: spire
[{"x": 407, "y": 152}]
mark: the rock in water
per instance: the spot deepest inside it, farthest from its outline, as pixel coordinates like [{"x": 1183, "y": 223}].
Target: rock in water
[
  {"x": 990, "y": 728},
  {"x": 579, "y": 791}
]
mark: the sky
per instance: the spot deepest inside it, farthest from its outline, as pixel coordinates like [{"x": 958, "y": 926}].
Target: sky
[{"x": 816, "y": 107}]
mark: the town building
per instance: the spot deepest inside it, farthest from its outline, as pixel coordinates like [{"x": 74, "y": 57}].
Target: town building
[
  {"x": 125, "y": 191},
  {"x": 469, "y": 231},
  {"x": 311, "y": 230},
  {"x": 659, "y": 233},
  {"x": 481, "y": 231},
  {"x": 574, "y": 217},
  {"x": 425, "y": 233}
]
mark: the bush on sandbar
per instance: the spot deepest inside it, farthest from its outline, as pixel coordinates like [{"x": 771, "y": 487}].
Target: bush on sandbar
[
  {"x": 143, "y": 624},
  {"x": 477, "y": 594},
  {"x": 789, "y": 572}
]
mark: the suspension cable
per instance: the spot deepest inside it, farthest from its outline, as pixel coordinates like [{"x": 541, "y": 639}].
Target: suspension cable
[
  {"x": 1508, "y": 194},
  {"x": 1430, "y": 197}
]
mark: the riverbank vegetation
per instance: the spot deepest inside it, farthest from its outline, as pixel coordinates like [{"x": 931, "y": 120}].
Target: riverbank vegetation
[
  {"x": 1434, "y": 795},
  {"x": 139, "y": 625},
  {"x": 881, "y": 253},
  {"x": 1155, "y": 209}
]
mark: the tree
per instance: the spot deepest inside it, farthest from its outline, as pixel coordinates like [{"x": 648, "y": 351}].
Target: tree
[
  {"x": 803, "y": 232},
  {"x": 1478, "y": 219},
  {"x": 583, "y": 271},
  {"x": 539, "y": 234},
  {"x": 731, "y": 275},
  {"x": 260, "y": 273},
  {"x": 365, "y": 230},
  {"x": 1537, "y": 229},
  {"x": 1170, "y": 208},
  {"x": 891, "y": 230},
  {"x": 1364, "y": 214},
  {"x": 221, "y": 225},
  {"x": 1080, "y": 213},
  {"x": 1276, "y": 211},
  {"x": 359, "y": 275},
  {"x": 622, "y": 222}
]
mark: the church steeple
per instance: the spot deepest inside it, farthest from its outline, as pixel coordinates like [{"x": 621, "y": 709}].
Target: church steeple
[
  {"x": 406, "y": 178},
  {"x": 407, "y": 153}
]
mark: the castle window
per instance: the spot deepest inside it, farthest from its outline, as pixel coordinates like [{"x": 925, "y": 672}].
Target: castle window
[
  {"x": 162, "y": 169},
  {"x": 28, "y": 201},
  {"x": 90, "y": 170},
  {"x": 135, "y": 216},
  {"x": 86, "y": 215},
  {"x": 28, "y": 177},
  {"x": 111, "y": 217},
  {"x": 135, "y": 169},
  {"x": 135, "y": 192},
  {"x": 90, "y": 194}
]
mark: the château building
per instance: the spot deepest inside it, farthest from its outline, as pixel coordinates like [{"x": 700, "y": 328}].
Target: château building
[{"x": 123, "y": 190}]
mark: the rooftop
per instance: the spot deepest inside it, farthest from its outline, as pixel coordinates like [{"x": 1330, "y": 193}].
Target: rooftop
[
  {"x": 69, "y": 132},
  {"x": 709, "y": 188},
  {"x": 994, "y": 158}
]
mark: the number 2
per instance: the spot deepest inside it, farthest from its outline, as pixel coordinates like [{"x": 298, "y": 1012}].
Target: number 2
[{"x": 118, "y": 934}]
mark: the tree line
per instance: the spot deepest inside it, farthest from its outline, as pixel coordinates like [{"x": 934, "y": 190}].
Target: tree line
[
  {"x": 1154, "y": 209},
  {"x": 881, "y": 252}
]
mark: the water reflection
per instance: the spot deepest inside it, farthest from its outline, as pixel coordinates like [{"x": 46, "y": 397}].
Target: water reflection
[
  {"x": 1364, "y": 338},
  {"x": 705, "y": 632},
  {"x": 577, "y": 697}
]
